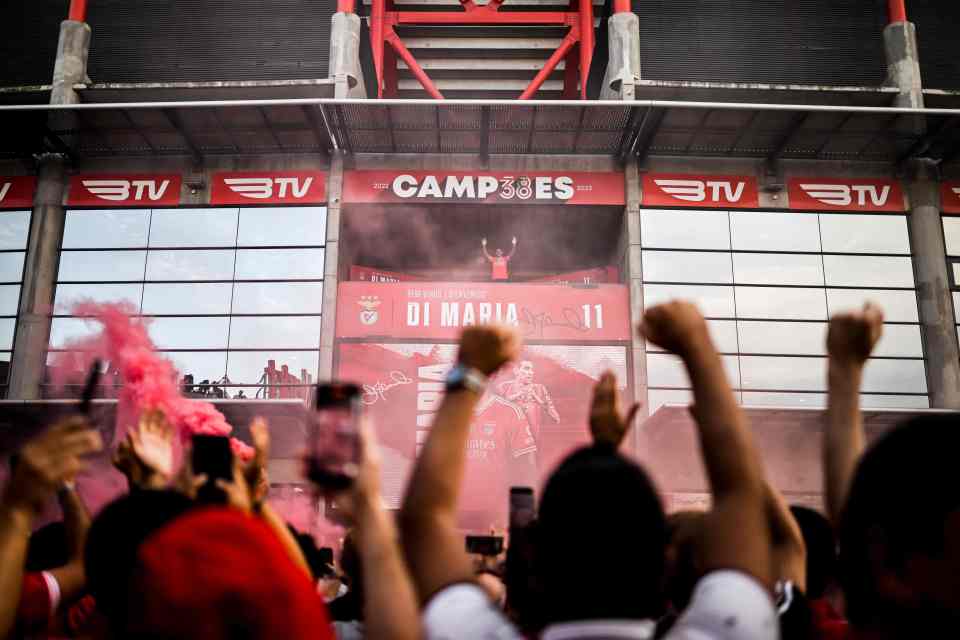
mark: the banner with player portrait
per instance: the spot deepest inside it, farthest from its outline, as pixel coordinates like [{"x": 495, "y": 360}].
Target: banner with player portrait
[{"x": 534, "y": 412}]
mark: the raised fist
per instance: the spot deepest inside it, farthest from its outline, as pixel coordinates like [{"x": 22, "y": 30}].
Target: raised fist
[
  {"x": 514, "y": 239},
  {"x": 677, "y": 326},
  {"x": 483, "y": 242},
  {"x": 607, "y": 424},
  {"x": 487, "y": 348},
  {"x": 852, "y": 336}
]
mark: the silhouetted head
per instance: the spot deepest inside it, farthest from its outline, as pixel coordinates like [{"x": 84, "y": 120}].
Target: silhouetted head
[
  {"x": 684, "y": 566},
  {"x": 821, "y": 550},
  {"x": 603, "y": 505},
  {"x": 900, "y": 530},
  {"x": 48, "y": 548}
]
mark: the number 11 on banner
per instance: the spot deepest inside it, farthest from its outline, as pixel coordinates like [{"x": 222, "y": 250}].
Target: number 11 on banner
[{"x": 588, "y": 317}]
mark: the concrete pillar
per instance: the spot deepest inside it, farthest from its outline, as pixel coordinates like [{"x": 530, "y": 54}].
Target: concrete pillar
[
  {"x": 345, "y": 56},
  {"x": 634, "y": 280},
  {"x": 937, "y": 324},
  {"x": 623, "y": 66},
  {"x": 903, "y": 63},
  {"x": 46, "y": 224},
  {"x": 331, "y": 277}
]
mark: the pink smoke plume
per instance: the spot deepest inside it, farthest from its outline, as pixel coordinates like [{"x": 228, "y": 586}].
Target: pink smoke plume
[{"x": 149, "y": 381}]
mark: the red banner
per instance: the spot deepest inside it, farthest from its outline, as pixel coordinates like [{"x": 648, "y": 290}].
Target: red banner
[
  {"x": 125, "y": 190},
  {"x": 600, "y": 275},
  {"x": 860, "y": 194},
  {"x": 369, "y": 274},
  {"x": 499, "y": 187},
  {"x": 16, "y": 192},
  {"x": 713, "y": 191},
  {"x": 440, "y": 310},
  {"x": 534, "y": 411},
  {"x": 274, "y": 187},
  {"x": 950, "y": 197}
]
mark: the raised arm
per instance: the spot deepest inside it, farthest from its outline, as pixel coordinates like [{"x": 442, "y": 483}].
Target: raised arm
[
  {"x": 608, "y": 426},
  {"x": 433, "y": 546},
  {"x": 851, "y": 338},
  {"x": 513, "y": 249},
  {"x": 789, "y": 551},
  {"x": 483, "y": 245},
  {"x": 740, "y": 531},
  {"x": 76, "y": 520}
]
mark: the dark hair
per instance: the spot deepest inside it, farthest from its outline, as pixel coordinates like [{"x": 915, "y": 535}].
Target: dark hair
[
  {"x": 685, "y": 530},
  {"x": 47, "y": 548},
  {"x": 600, "y": 503},
  {"x": 114, "y": 539},
  {"x": 904, "y": 489},
  {"x": 821, "y": 550}
]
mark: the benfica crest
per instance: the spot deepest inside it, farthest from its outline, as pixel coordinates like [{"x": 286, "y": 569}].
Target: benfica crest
[{"x": 368, "y": 312}]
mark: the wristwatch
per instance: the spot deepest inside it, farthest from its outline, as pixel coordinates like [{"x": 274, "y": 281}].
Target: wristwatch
[{"x": 464, "y": 377}]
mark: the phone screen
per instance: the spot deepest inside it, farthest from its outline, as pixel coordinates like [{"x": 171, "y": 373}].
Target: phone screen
[
  {"x": 522, "y": 507},
  {"x": 334, "y": 437},
  {"x": 484, "y": 545},
  {"x": 212, "y": 456}
]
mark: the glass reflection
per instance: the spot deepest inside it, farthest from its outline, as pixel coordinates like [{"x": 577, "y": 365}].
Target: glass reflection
[
  {"x": 687, "y": 266},
  {"x": 894, "y": 376},
  {"x": 780, "y": 303},
  {"x": 774, "y": 399},
  {"x": 666, "y": 370},
  {"x": 868, "y": 271},
  {"x": 14, "y": 229},
  {"x": 684, "y": 229},
  {"x": 715, "y": 302},
  {"x": 844, "y": 233},
  {"x": 101, "y": 265},
  {"x": 898, "y": 306},
  {"x": 278, "y": 226},
  {"x": 783, "y": 373},
  {"x": 278, "y": 297},
  {"x": 270, "y": 369},
  {"x": 212, "y": 264},
  {"x": 900, "y": 341},
  {"x": 199, "y": 370},
  {"x": 275, "y": 332},
  {"x": 792, "y": 338},
  {"x": 280, "y": 264},
  {"x": 723, "y": 333},
  {"x": 772, "y": 268},
  {"x": 11, "y": 266},
  {"x": 951, "y": 235},
  {"x": 106, "y": 229},
  {"x": 67, "y": 330},
  {"x": 193, "y": 228},
  {"x": 879, "y": 401},
  {"x": 762, "y": 231},
  {"x": 186, "y": 298},
  {"x": 7, "y": 326},
  {"x": 189, "y": 333},
  {"x": 656, "y": 398},
  {"x": 69, "y": 294}
]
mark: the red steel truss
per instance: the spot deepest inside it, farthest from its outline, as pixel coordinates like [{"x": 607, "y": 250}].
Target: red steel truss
[{"x": 576, "y": 48}]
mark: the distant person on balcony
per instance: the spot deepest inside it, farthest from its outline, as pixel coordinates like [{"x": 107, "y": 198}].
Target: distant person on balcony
[{"x": 499, "y": 261}]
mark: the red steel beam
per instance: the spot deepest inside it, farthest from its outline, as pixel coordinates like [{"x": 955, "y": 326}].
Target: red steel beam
[
  {"x": 570, "y": 74},
  {"x": 78, "y": 11},
  {"x": 483, "y": 15},
  {"x": 568, "y": 41},
  {"x": 346, "y": 6},
  {"x": 896, "y": 11},
  {"x": 377, "y": 13},
  {"x": 394, "y": 41},
  {"x": 622, "y": 6},
  {"x": 586, "y": 44}
]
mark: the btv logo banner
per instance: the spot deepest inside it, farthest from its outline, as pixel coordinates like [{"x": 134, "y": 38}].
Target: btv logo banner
[
  {"x": 682, "y": 190},
  {"x": 260, "y": 187},
  {"x": 130, "y": 190},
  {"x": 950, "y": 197},
  {"x": 16, "y": 192},
  {"x": 858, "y": 194}
]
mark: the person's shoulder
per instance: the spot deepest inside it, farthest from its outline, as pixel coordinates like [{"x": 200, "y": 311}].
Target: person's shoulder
[
  {"x": 464, "y": 611},
  {"x": 728, "y": 605}
]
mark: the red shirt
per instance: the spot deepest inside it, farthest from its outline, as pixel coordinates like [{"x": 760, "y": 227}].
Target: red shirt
[
  {"x": 39, "y": 597},
  {"x": 499, "y": 264},
  {"x": 829, "y": 625}
]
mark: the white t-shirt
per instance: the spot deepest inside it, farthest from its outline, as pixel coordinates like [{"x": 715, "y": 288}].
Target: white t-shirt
[{"x": 726, "y": 605}]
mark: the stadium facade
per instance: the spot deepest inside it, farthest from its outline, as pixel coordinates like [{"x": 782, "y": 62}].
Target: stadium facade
[{"x": 293, "y": 190}]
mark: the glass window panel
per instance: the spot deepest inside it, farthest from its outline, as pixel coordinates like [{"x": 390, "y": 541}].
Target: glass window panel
[
  {"x": 202, "y": 365},
  {"x": 277, "y": 226},
  {"x": 6, "y": 358},
  {"x": 772, "y": 268},
  {"x": 898, "y": 306},
  {"x": 184, "y": 298},
  {"x": 778, "y": 303},
  {"x": 868, "y": 271},
  {"x": 956, "y": 272},
  {"x": 105, "y": 229},
  {"x": 665, "y": 370},
  {"x": 11, "y": 266},
  {"x": 68, "y": 330},
  {"x": 761, "y": 231},
  {"x": 193, "y": 228},
  {"x": 69, "y": 294},
  {"x": 189, "y": 333},
  {"x": 775, "y": 399},
  {"x": 723, "y": 332},
  {"x": 14, "y": 229},
  {"x": 656, "y": 398},
  {"x": 278, "y": 297},
  {"x": 894, "y": 376},
  {"x": 716, "y": 302},
  {"x": 280, "y": 264},
  {"x": 275, "y": 332},
  {"x": 248, "y": 367},
  {"x": 687, "y": 266},
  {"x": 900, "y": 341},
  {"x": 179, "y": 264},
  {"x": 879, "y": 401},
  {"x": 9, "y": 299},
  {"x": 844, "y": 233},
  {"x": 783, "y": 373},
  {"x": 101, "y": 265},
  {"x": 684, "y": 229},
  {"x": 7, "y": 326},
  {"x": 789, "y": 338},
  {"x": 951, "y": 235}
]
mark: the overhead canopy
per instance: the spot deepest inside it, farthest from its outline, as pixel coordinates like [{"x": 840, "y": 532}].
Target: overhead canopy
[{"x": 621, "y": 129}]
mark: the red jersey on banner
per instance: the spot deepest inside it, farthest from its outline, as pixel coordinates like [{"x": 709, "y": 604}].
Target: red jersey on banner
[
  {"x": 16, "y": 192},
  {"x": 126, "y": 190},
  {"x": 682, "y": 190},
  {"x": 950, "y": 197},
  {"x": 850, "y": 194}
]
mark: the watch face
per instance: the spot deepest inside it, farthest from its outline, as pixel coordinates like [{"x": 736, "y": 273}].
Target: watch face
[{"x": 456, "y": 377}]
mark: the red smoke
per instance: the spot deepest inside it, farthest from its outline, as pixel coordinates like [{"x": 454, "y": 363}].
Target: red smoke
[{"x": 149, "y": 381}]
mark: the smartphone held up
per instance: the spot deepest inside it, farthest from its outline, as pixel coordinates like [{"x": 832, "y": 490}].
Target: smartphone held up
[{"x": 333, "y": 458}]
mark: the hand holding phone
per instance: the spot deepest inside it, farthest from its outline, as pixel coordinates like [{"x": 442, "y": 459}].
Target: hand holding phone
[
  {"x": 211, "y": 456},
  {"x": 334, "y": 438}
]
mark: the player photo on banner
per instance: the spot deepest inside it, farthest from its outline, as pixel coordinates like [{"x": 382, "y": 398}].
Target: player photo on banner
[{"x": 534, "y": 412}]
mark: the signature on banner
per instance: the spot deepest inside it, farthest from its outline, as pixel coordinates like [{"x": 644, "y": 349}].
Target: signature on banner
[
  {"x": 372, "y": 393},
  {"x": 535, "y": 324}
]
